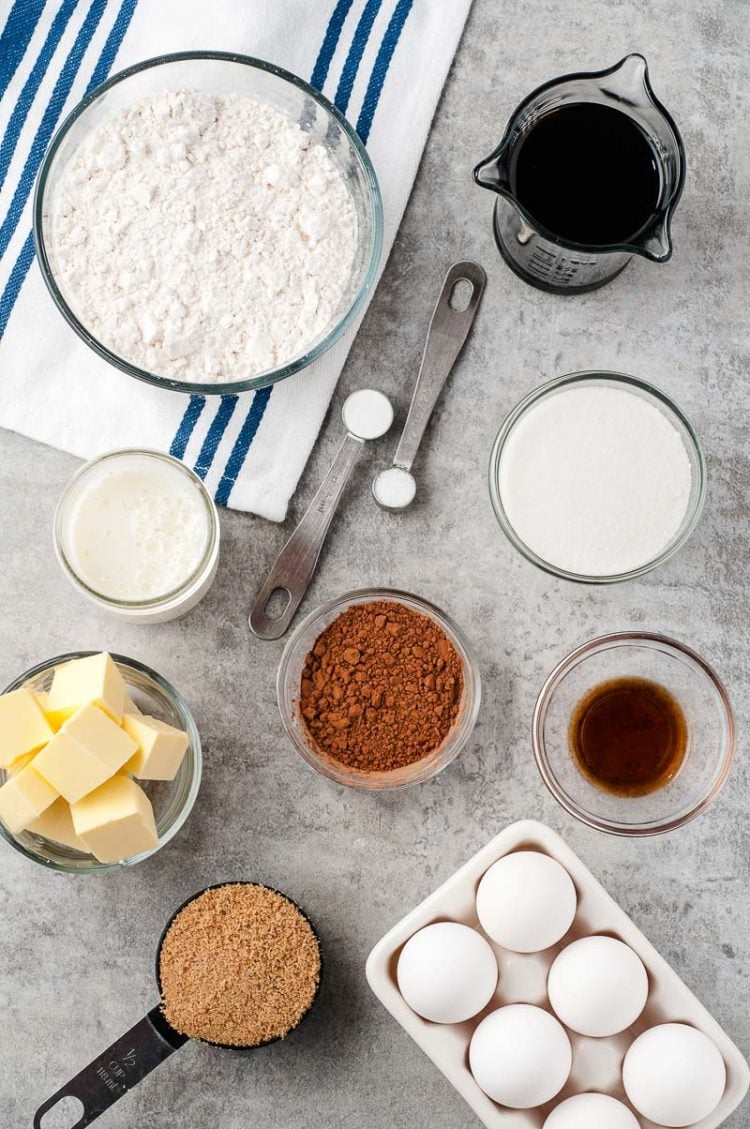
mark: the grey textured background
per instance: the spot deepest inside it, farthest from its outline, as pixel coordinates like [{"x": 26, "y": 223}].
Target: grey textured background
[{"x": 76, "y": 955}]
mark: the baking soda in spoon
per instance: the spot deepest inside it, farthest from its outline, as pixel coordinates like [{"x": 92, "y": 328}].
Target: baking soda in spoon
[{"x": 595, "y": 480}]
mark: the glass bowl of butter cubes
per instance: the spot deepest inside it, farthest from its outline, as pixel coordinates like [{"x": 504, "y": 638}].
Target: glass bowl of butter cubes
[{"x": 100, "y": 762}]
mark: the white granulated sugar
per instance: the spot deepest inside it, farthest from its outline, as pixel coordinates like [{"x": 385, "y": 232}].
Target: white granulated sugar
[
  {"x": 203, "y": 237},
  {"x": 395, "y": 487},
  {"x": 595, "y": 480}
]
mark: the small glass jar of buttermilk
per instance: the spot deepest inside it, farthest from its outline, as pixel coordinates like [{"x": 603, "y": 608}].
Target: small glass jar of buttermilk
[{"x": 137, "y": 533}]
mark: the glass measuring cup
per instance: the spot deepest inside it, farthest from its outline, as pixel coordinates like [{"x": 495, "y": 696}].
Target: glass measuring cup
[
  {"x": 540, "y": 256},
  {"x": 146, "y": 1045}
]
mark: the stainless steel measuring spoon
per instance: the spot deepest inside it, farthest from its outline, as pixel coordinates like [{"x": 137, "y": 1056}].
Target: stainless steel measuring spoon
[
  {"x": 144, "y": 1047},
  {"x": 395, "y": 487},
  {"x": 293, "y": 569}
]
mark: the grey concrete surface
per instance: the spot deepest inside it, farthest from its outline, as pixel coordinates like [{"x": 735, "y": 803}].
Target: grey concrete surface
[{"x": 76, "y": 954}]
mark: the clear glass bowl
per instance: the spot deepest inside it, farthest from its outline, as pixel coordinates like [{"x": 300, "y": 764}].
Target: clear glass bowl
[
  {"x": 172, "y": 800},
  {"x": 159, "y": 609},
  {"x": 603, "y": 380},
  {"x": 223, "y": 73},
  {"x": 289, "y": 676},
  {"x": 708, "y": 713}
]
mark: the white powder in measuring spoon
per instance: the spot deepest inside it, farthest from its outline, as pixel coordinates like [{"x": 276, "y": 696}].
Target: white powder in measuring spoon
[
  {"x": 203, "y": 237},
  {"x": 595, "y": 480}
]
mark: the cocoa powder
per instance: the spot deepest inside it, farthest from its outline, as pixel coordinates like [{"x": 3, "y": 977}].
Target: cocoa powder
[{"x": 381, "y": 688}]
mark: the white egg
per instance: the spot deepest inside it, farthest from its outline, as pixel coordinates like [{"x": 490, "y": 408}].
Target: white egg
[
  {"x": 526, "y": 902},
  {"x": 598, "y": 986},
  {"x": 520, "y": 1056},
  {"x": 447, "y": 972},
  {"x": 674, "y": 1075},
  {"x": 591, "y": 1111}
]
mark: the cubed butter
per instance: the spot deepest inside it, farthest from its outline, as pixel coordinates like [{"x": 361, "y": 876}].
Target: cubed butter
[
  {"x": 69, "y": 768},
  {"x": 87, "y": 751},
  {"x": 56, "y": 823},
  {"x": 23, "y": 798},
  {"x": 20, "y": 762},
  {"x": 100, "y": 736},
  {"x": 161, "y": 748},
  {"x": 23, "y": 726},
  {"x": 54, "y": 719},
  {"x": 93, "y": 680},
  {"x": 116, "y": 821}
]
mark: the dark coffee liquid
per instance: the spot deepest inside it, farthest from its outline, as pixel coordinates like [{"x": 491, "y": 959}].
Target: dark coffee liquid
[
  {"x": 628, "y": 736},
  {"x": 587, "y": 173}
]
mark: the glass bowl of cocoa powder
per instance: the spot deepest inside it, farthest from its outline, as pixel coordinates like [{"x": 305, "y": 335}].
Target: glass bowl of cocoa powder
[{"x": 378, "y": 689}]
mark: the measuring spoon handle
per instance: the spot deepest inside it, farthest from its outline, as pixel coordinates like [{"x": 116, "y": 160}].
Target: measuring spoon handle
[
  {"x": 448, "y": 331},
  {"x": 122, "y": 1066},
  {"x": 293, "y": 569}
]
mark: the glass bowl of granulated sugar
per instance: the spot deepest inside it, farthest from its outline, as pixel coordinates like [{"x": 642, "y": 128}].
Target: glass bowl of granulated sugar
[
  {"x": 597, "y": 477},
  {"x": 208, "y": 222}
]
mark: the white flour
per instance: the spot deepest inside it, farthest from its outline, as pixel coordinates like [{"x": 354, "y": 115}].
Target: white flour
[
  {"x": 203, "y": 237},
  {"x": 595, "y": 480}
]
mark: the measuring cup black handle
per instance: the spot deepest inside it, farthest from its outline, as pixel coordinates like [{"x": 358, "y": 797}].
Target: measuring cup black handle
[{"x": 104, "y": 1081}]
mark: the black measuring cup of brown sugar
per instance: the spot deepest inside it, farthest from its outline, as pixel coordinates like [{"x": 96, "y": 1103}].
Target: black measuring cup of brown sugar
[
  {"x": 119, "y": 1068},
  {"x": 588, "y": 174}
]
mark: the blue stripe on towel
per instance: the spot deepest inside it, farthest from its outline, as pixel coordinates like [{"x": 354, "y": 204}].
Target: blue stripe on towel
[
  {"x": 215, "y": 434},
  {"x": 356, "y": 51},
  {"x": 330, "y": 43},
  {"x": 242, "y": 445},
  {"x": 15, "y": 282},
  {"x": 30, "y": 89},
  {"x": 380, "y": 69},
  {"x": 49, "y": 121},
  {"x": 112, "y": 46},
  {"x": 26, "y": 255},
  {"x": 196, "y": 404},
  {"x": 16, "y": 36}
]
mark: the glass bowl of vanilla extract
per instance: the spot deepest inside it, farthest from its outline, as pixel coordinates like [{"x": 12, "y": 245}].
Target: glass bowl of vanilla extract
[{"x": 634, "y": 734}]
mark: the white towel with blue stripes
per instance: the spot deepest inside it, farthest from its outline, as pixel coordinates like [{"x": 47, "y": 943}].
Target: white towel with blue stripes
[{"x": 383, "y": 62}]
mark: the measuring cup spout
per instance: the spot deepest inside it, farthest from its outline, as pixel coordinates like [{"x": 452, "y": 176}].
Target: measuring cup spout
[
  {"x": 656, "y": 243},
  {"x": 628, "y": 82},
  {"x": 493, "y": 172}
]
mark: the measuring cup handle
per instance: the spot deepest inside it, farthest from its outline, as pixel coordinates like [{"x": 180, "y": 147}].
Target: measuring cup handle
[
  {"x": 293, "y": 569},
  {"x": 448, "y": 331},
  {"x": 104, "y": 1081}
]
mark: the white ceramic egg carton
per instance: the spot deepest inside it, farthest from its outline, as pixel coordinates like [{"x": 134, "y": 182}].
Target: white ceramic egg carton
[{"x": 596, "y": 1062}]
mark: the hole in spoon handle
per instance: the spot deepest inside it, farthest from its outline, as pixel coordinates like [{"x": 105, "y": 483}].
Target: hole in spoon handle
[{"x": 118, "y": 1069}]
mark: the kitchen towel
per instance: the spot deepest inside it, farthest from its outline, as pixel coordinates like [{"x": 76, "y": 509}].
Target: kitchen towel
[{"x": 383, "y": 62}]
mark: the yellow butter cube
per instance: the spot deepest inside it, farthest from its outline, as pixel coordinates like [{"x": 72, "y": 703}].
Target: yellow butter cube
[
  {"x": 87, "y": 751},
  {"x": 20, "y": 762},
  {"x": 93, "y": 680},
  {"x": 56, "y": 823},
  {"x": 23, "y": 726},
  {"x": 23, "y": 798},
  {"x": 54, "y": 719},
  {"x": 116, "y": 821},
  {"x": 100, "y": 736},
  {"x": 69, "y": 768},
  {"x": 161, "y": 748}
]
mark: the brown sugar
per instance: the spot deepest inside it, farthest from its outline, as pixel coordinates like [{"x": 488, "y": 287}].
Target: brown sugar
[
  {"x": 239, "y": 965},
  {"x": 381, "y": 688}
]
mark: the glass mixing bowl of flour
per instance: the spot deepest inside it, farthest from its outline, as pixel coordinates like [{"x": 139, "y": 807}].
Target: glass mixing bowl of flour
[
  {"x": 597, "y": 477},
  {"x": 208, "y": 222}
]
